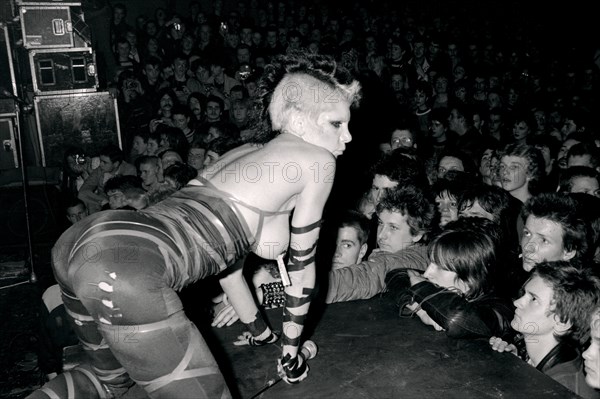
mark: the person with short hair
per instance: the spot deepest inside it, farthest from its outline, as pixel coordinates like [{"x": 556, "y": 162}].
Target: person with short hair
[
  {"x": 580, "y": 179},
  {"x": 405, "y": 220},
  {"x": 112, "y": 163},
  {"x": 584, "y": 154},
  {"x": 178, "y": 175},
  {"x": 75, "y": 210},
  {"x": 148, "y": 167},
  {"x": 521, "y": 168},
  {"x": 553, "y": 319},
  {"x": 125, "y": 192},
  {"x": 554, "y": 230},
  {"x": 203, "y": 231},
  {"x": 351, "y": 240}
]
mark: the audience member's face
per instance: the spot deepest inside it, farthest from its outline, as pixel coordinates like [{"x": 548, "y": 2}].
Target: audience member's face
[
  {"x": 586, "y": 185},
  {"x": 448, "y": 163},
  {"x": 437, "y": 129},
  {"x": 398, "y": 82},
  {"x": 152, "y": 146},
  {"x": 569, "y": 126},
  {"x": 477, "y": 121},
  {"x": 247, "y": 35},
  {"x": 513, "y": 172},
  {"x": 118, "y": 15},
  {"x": 166, "y": 103},
  {"x": 396, "y": 52},
  {"x": 107, "y": 165},
  {"x": 520, "y": 131},
  {"x": 131, "y": 38},
  {"x": 196, "y": 158},
  {"x": 167, "y": 72},
  {"x": 534, "y": 314},
  {"x": 181, "y": 122},
  {"x": 272, "y": 38},
  {"x": 239, "y": 113},
  {"x": 348, "y": 250},
  {"x": 591, "y": 355},
  {"x": 180, "y": 67},
  {"x": 486, "y": 163},
  {"x": 116, "y": 199},
  {"x": 393, "y": 232},
  {"x": 243, "y": 56},
  {"x": 459, "y": 73},
  {"x": 148, "y": 173},
  {"x": 213, "y": 111},
  {"x": 447, "y": 206},
  {"x": 256, "y": 39},
  {"x": 152, "y": 72},
  {"x": 402, "y": 138},
  {"x": 460, "y": 93},
  {"x": 76, "y": 213},
  {"x": 420, "y": 98},
  {"x": 442, "y": 277},
  {"x": 139, "y": 146},
  {"x": 169, "y": 158},
  {"x": 378, "y": 189},
  {"x": 441, "y": 85},
  {"x": 494, "y": 123},
  {"x": 542, "y": 241},
  {"x": 252, "y": 88},
  {"x": 580, "y": 160},
  {"x": 151, "y": 29},
  {"x": 313, "y": 48},
  {"x": 187, "y": 43},
  {"x": 476, "y": 210},
  {"x": 195, "y": 106},
  {"x": 210, "y": 158},
  {"x": 123, "y": 50},
  {"x": 562, "y": 153}
]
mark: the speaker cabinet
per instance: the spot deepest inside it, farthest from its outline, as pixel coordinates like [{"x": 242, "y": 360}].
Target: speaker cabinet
[{"x": 86, "y": 120}]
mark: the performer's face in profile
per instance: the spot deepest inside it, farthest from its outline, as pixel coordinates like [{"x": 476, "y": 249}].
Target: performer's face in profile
[{"x": 332, "y": 131}]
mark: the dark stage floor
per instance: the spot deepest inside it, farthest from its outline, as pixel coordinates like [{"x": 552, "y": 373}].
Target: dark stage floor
[{"x": 365, "y": 351}]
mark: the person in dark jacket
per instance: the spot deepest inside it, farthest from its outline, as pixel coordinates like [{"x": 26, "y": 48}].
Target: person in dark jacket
[
  {"x": 455, "y": 294},
  {"x": 553, "y": 318}
]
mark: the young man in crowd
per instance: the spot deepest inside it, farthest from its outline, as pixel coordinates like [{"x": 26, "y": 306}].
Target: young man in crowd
[
  {"x": 406, "y": 216},
  {"x": 351, "y": 241},
  {"x": 554, "y": 230},
  {"x": 553, "y": 316},
  {"x": 112, "y": 163}
]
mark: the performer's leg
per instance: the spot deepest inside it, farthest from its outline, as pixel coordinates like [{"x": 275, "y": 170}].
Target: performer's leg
[
  {"x": 141, "y": 319},
  {"x": 80, "y": 382}
]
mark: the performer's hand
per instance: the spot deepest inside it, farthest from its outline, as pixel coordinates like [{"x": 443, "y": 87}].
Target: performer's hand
[
  {"x": 428, "y": 320},
  {"x": 225, "y": 315},
  {"x": 292, "y": 370},
  {"x": 499, "y": 345}
]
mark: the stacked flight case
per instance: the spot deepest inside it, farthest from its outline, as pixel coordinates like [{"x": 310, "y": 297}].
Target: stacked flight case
[
  {"x": 9, "y": 117},
  {"x": 69, "y": 108}
]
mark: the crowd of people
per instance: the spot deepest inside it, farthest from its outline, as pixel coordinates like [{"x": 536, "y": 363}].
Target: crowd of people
[{"x": 470, "y": 196}]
